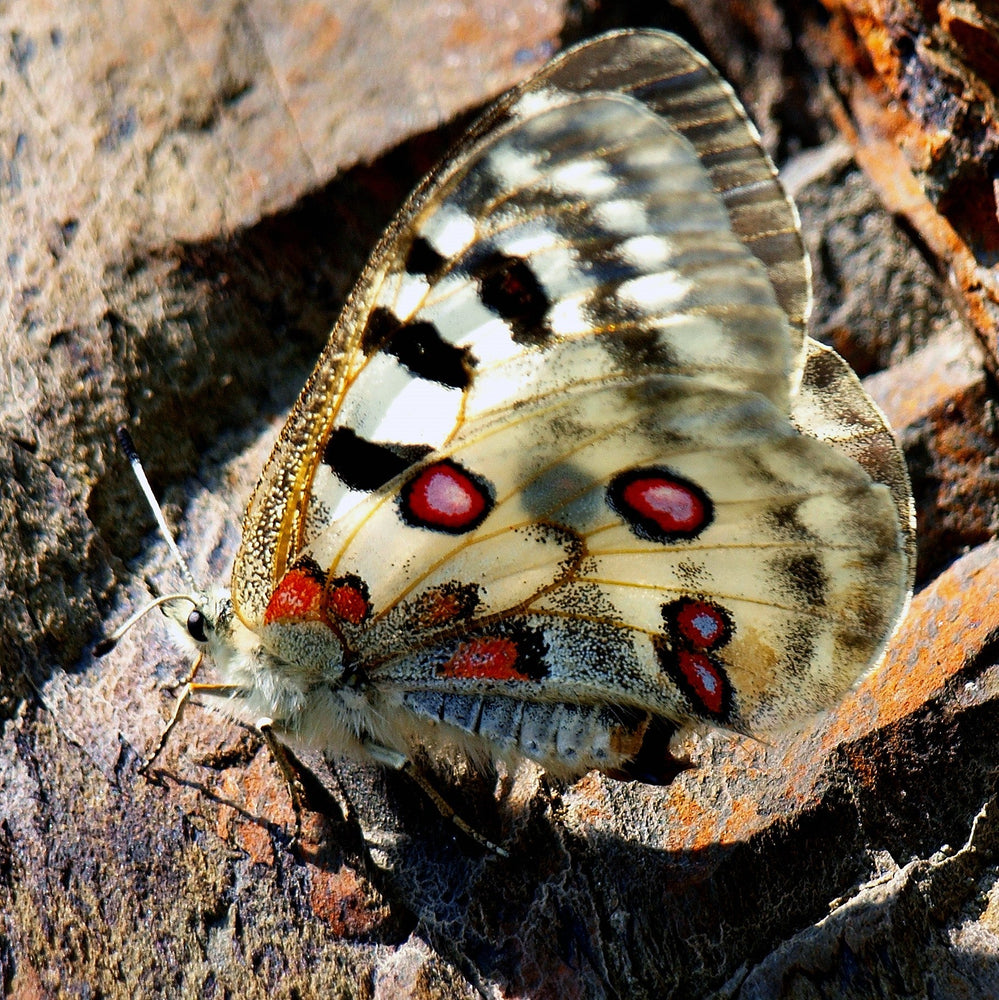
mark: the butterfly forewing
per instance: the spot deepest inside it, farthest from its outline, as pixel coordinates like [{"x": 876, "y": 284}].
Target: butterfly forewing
[
  {"x": 556, "y": 453},
  {"x": 603, "y": 192}
]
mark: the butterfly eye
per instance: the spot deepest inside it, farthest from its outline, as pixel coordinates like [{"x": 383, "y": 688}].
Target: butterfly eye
[{"x": 197, "y": 625}]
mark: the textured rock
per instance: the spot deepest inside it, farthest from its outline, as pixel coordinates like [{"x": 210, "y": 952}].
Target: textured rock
[
  {"x": 183, "y": 213},
  {"x": 919, "y": 88}
]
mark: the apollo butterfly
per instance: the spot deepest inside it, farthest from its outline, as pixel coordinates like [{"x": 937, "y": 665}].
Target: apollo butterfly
[{"x": 569, "y": 475}]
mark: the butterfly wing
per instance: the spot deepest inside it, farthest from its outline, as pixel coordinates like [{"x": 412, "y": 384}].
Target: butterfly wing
[
  {"x": 466, "y": 207},
  {"x": 549, "y": 453},
  {"x": 834, "y": 407},
  {"x": 670, "y": 78},
  {"x": 648, "y": 542}
]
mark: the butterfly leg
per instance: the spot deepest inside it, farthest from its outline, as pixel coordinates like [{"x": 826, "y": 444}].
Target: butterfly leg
[
  {"x": 399, "y": 762},
  {"x": 264, "y": 726},
  {"x": 282, "y": 758},
  {"x": 191, "y": 687},
  {"x": 188, "y": 685}
]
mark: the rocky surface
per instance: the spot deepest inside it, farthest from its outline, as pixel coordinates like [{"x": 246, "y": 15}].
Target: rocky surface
[{"x": 188, "y": 193}]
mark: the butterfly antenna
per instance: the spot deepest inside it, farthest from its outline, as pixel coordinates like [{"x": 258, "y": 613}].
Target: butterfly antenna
[
  {"x": 128, "y": 447},
  {"x": 105, "y": 645}
]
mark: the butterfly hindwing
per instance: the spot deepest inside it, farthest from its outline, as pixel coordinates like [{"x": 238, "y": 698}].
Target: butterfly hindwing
[
  {"x": 722, "y": 510},
  {"x": 833, "y": 406}
]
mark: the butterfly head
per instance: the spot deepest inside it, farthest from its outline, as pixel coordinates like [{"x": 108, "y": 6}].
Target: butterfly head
[
  {"x": 207, "y": 624},
  {"x": 205, "y": 621}
]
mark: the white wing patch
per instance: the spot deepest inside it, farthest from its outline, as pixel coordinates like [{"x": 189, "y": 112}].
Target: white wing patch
[{"x": 416, "y": 411}]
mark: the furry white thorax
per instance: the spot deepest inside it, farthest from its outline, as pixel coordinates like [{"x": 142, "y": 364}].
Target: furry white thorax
[{"x": 317, "y": 706}]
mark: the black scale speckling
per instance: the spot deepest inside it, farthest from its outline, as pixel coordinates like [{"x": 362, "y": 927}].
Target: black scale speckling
[
  {"x": 801, "y": 578},
  {"x": 798, "y": 643}
]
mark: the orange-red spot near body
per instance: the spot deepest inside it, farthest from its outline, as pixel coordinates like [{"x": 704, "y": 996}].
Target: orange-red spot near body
[
  {"x": 298, "y": 596},
  {"x": 487, "y": 658},
  {"x": 347, "y": 600}
]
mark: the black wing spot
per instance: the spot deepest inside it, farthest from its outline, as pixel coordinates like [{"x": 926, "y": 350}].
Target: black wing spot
[
  {"x": 803, "y": 574},
  {"x": 510, "y": 289},
  {"x": 365, "y": 465},
  {"x": 381, "y": 325},
  {"x": 420, "y": 347},
  {"x": 423, "y": 258}
]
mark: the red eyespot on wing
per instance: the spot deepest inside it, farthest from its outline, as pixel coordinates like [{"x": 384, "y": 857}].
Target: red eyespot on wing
[
  {"x": 299, "y": 595},
  {"x": 305, "y": 595},
  {"x": 347, "y": 599},
  {"x": 486, "y": 658},
  {"x": 659, "y": 505},
  {"x": 705, "y": 680},
  {"x": 445, "y": 497},
  {"x": 699, "y": 675},
  {"x": 697, "y": 623}
]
